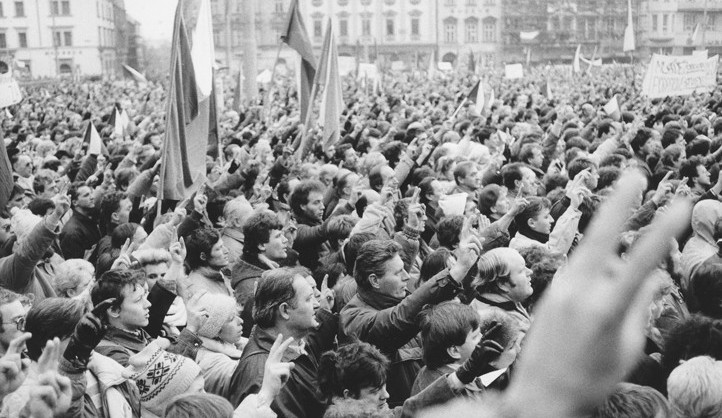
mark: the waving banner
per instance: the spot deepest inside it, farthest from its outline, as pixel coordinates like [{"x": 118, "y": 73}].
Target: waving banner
[{"x": 679, "y": 75}]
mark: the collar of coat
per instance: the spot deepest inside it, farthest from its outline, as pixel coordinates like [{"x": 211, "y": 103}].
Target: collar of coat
[
  {"x": 378, "y": 300},
  {"x": 265, "y": 337}
]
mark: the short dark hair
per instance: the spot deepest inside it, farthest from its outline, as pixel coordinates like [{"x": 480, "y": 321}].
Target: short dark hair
[
  {"x": 340, "y": 227},
  {"x": 578, "y": 165},
  {"x": 434, "y": 263},
  {"x": 73, "y": 191},
  {"x": 50, "y": 318},
  {"x": 274, "y": 289},
  {"x": 527, "y": 152},
  {"x": 201, "y": 241},
  {"x": 697, "y": 335},
  {"x": 372, "y": 259},
  {"x": 257, "y": 230},
  {"x": 670, "y": 136},
  {"x": 448, "y": 231},
  {"x": 445, "y": 325},
  {"x": 109, "y": 205},
  {"x": 640, "y": 138},
  {"x": 193, "y": 405},
  {"x": 608, "y": 176},
  {"x": 40, "y": 206},
  {"x": 534, "y": 207},
  {"x": 706, "y": 288},
  {"x": 353, "y": 367},
  {"x": 462, "y": 170},
  {"x": 688, "y": 169},
  {"x": 511, "y": 173},
  {"x": 633, "y": 401},
  {"x": 544, "y": 264},
  {"x": 300, "y": 193},
  {"x": 352, "y": 247},
  {"x": 123, "y": 232},
  {"x": 111, "y": 285}
]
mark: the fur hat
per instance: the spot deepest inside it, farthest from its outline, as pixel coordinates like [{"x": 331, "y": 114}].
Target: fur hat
[
  {"x": 161, "y": 375},
  {"x": 220, "y": 309}
]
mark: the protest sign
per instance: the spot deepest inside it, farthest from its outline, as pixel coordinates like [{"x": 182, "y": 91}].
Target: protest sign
[
  {"x": 9, "y": 92},
  {"x": 346, "y": 65},
  {"x": 679, "y": 75},
  {"x": 513, "y": 71}
]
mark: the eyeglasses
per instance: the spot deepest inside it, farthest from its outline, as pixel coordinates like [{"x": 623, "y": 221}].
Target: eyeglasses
[{"x": 18, "y": 322}]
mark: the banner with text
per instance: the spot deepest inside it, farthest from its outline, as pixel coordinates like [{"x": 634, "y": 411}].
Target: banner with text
[{"x": 679, "y": 75}]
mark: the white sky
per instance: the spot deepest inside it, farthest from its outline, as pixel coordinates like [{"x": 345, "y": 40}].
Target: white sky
[{"x": 155, "y": 17}]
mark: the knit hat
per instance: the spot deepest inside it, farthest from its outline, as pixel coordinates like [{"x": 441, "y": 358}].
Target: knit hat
[
  {"x": 161, "y": 375},
  {"x": 220, "y": 309}
]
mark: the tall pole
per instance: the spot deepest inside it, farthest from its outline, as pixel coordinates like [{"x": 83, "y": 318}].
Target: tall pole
[
  {"x": 250, "y": 88},
  {"x": 704, "y": 26},
  {"x": 229, "y": 58}
]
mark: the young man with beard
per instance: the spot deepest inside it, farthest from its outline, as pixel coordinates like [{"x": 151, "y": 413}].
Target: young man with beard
[
  {"x": 285, "y": 304},
  {"x": 80, "y": 234}
]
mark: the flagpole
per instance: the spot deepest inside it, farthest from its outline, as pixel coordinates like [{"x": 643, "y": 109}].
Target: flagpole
[
  {"x": 267, "y": 103},
  {"x": 459, "y": 108},
  {"x": 304, "y": 131}
]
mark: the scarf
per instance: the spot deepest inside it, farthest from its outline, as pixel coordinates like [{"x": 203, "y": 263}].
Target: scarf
[{"x": 530, "y": 233}]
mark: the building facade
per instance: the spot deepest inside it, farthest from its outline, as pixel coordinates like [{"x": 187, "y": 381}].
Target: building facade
[
  {"x": 469, "y": 29},
  {"x": 49, "y": 38},
  {"x": 678, "y": 27}
]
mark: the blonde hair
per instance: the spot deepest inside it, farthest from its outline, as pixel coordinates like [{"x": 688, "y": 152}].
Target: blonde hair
[
  {"x": 22, "y": 222},
  {"x": 493, "y": 268},
  {"x": 151, "y": 256},
  {"x": 68, "y": 272}
]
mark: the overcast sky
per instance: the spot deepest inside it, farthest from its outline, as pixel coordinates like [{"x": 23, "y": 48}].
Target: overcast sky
[{"x": 155, "y": 17}]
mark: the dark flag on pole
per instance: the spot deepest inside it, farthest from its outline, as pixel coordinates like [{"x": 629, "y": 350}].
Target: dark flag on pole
[
  {"x": 183, "y": 166},
  {"x": 6, "y": 174},
  {"x": 472, "y": 62},
  {"x": 297, "y": 38}
]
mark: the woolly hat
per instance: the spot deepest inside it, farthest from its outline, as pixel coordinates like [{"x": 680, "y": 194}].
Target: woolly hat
[
  {"x": 161, "y": 375},
  {"x": 220, "y": 309}
]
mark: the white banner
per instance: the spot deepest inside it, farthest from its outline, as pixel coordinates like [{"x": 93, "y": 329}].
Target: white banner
[
  {"x": 679, "y": 75},
  {"x": 512, "y": 71},
  {"x": 9, "y": 92}
]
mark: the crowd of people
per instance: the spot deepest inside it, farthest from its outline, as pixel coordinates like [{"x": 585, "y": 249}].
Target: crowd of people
[{"x": 536, "y": 257}]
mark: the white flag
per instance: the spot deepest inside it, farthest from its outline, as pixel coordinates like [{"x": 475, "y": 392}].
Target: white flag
[
  {"x": 575, "y": 64},
  {"x": 629, "y": 30}
]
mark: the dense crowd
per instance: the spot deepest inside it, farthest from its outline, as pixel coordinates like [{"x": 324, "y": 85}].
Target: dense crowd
[{"x": 536, "y": 257}]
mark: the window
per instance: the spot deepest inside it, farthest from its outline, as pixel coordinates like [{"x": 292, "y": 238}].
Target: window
[
  {"x": 689, "y": 21},
  {"x": 3, "y": 41},
  {"x": 65, "y": 7},
  {"x": 22, "y": 39},
  {"x": 1, "y": 10},
  {"x": 343, "y": 27},
  {"x": 450, "y": 31},
  {"x": 317, "y": 28},
  {"x": 366, "y": 27},
  {"x": 489, "y": 28},
  {"x": 19, "y": 9},
  {"x": 217, "y": 38},
  {"x": 654, "y": 23},
  {"x": 414, "y": 26},
  {"x": 279, "y": 6},
  {"x": 471, "y": 3},
  {"x": 390, "y": 27},
  {"x": 57, "y": 40},
  {"x": 54, "y": 9},
  {"x": 488, "y": 3},
  {"x": 665, "y": 22},
  {"x": 450, "y": 3},
  {"x": 472, "y": 31}
]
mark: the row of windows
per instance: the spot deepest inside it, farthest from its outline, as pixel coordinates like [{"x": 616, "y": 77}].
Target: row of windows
[
  {"x": 106, "y": 37},
  {"x": 218, "y": 7},
  {"x": 104, "y": 10},
  {"x": 57, "y": 8},
  {"x": 447, "y": 3},
  {"x": 60, "y": 38},
  {"x": 471, "y": 31}
]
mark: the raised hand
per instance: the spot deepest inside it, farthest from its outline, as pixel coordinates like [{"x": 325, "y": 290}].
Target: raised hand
[
  {"x": 197, "y": 316},
  {"x": 51, "y": 396},
  {"x": 589, "y": 329},
  {"x": 276, "y": 372},
  {"x": 88, "y": 332},
  {"x": 13, "y": 369},
  {"x": 178, "y": 250},
  {"x": 327, "y": 295}
]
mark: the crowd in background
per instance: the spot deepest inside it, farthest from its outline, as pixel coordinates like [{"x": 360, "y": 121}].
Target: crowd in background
[{"x": 535, "y": 257}]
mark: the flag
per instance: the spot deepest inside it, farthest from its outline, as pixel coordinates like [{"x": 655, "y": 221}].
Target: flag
[
  {"x": 213, "y": 150},
  {"x": 183, "y": 164},
  {"x": 237, "y": 93},
  {"x": 476, "y": 96},
  {"x": 629, "y": 30},
  {"x": 297, "y": 38},
  {"x": 546, "y": 89},
  {"x": 472, "y": 63},
  {"x": 694, "y": 34},
  {"x": 6, "y": 174},
  {"x": 331, "y": 100},
  {"x": 528, "y": 56},
  {"x": 490, "y": 102},
  {"x": 575, "y": 64},
  {"x": 135, "y": 75},
  {"x": 612, "y": 108},
  {"x": 92, "y": 138},
  {"x": 528, "y": 36}
]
